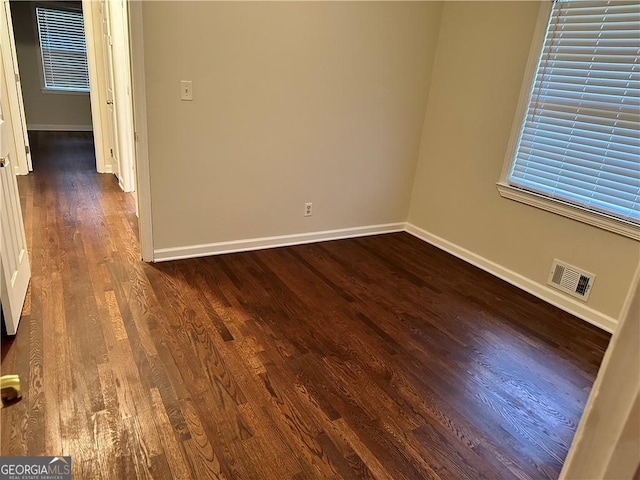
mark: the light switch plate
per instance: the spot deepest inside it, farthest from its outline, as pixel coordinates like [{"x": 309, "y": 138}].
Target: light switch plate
[{"x": 186, "y": 90}]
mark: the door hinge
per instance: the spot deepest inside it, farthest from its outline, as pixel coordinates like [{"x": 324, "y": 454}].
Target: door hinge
[
  {"x": 111, "y": 151},
  {"x": 27, "y": 149},
  {"x": 136, "y": 137},
  {"x": 17, "y": 77}
]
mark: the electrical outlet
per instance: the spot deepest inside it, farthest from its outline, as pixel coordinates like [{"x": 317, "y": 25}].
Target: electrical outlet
[{"x": 308, "y": 209}]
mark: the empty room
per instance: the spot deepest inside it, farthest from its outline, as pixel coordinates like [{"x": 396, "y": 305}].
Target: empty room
[{"x": 386, "y": 240}]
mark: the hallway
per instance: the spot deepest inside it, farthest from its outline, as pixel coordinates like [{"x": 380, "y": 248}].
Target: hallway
[
  {"x": 79, "y": 225},
  {"x": 379, "y": 357}
]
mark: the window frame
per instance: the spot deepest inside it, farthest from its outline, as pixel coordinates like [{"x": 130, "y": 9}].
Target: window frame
[
  {"x": 508, "y": 191},
  {"x": 60, "y": 7}
]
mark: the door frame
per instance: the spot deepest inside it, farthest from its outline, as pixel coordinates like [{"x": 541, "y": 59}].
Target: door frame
[
  {"x": 605, "y": 444},
  {"x": 105, "y": 80},
  {"x": 117, "y": 16},
  {"x": 95, "y": 93},
  {"x": 141, "y": 143},
  {"x": 106, "y": 21}
]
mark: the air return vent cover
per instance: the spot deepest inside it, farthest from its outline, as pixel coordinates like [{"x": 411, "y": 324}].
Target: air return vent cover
[{"x": 571, "y": 280}]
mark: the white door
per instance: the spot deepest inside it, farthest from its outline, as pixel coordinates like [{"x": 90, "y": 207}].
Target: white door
[
  {"x": 118, "y": 17},
  {"x": 111, "y": 102},
  {"x": 14, "y": 259},
  {"x": 22, "y": 164}
]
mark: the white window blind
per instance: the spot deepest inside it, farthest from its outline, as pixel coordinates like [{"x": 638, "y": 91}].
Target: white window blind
[
  {"x": 63, "y": 49},
  {"x": 580, "y": 139}
]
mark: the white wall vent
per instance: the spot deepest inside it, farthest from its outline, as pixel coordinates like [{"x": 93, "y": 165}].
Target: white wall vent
[{"x": 571, "y": 280}]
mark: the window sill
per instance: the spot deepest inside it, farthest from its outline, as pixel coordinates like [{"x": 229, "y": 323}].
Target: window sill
[
  {"x": 605, "y": 222},
  {"x": 63, "y": 92}
]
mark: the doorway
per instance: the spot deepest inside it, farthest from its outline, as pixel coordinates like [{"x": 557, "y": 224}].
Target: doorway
[
  {"x": 125, "y": 39},
  {"x": 75, "y": 85},
  {"x": 107, "y": 32}
]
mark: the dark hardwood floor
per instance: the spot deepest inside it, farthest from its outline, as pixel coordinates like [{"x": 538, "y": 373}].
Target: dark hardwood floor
[{"x": 379, "y": 357}]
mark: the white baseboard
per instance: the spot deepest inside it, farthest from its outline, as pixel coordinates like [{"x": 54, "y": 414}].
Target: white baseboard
[
  {"x": 543, "y": 292},
  {"x": 107, "y": 169},
  {"x": 41, "y": 127},
  {"x": 165, "y": 254}
]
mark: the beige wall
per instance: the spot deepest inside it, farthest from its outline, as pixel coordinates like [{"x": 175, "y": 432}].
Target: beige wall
[
  {"x": 293, "y": 102},
  {"x": 43, "y": 109},
  {"x": 477, "y": 74},
  {"x": 300, "y": 102}
]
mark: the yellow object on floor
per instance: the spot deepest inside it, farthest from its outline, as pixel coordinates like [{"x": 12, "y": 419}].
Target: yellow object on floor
[{"x": 10, "y": 388}]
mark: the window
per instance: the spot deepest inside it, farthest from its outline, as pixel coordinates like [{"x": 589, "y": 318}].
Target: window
[
  {"x": 576, "y": 148},
  {"x": 63, "y": 50}
]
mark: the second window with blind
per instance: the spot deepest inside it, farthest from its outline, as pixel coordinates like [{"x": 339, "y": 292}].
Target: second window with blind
[
  {"x": 63, "y": 50},
  {"x": 576, "y": 142}
]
